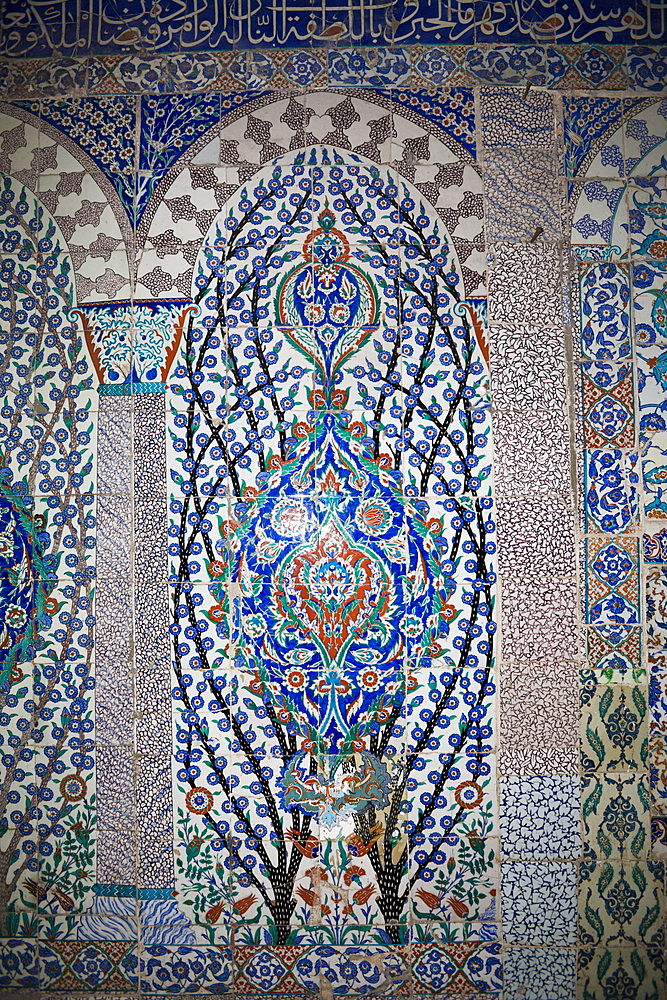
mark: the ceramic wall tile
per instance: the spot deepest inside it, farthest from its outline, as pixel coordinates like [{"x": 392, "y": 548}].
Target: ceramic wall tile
[
  {"x": 614, "y": 723},
  {"x": 551, "y": 735},
  {"x": 616, "y": 816},
  {"x": 539, "y": 818},
  {"x": 530, "y": 890},
  {"x": 510, "y": 119},
  {"x": 621, "y": 904},
  {"x": 544, "y": 471},
  {"x": 637, "y": 969},
  {"x": 536, "y": 973},
  {"x": 608, "y": 403},
  {"x": 286, "y": 496},
  {"x": 514, "y": 299},
  {"x": 535, "y": 536},
  {"x": 527, "y": 367},
  {"x": 644, "y": 66},
  {"x": 523, "y": 193}
]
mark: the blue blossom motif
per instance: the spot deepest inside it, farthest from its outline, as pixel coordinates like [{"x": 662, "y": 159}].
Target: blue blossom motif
[
  {"x": 608, "y": 416},
  {"x": 647, "y": 66},
  {"x": 435, "y": 969},
  {"x": 25, "y": 967},
  {"x": 302, "y": 68},
  {"x": 379, "y": 68},
  {"x": 614, "y": 608},
  {"x": 594, "y": 65},
  {"x": 265, "y": 971},
  {"x": 642, "y": 275},
  {"x": 435, "y": 66},
  {"x": 507, "y": 63},
  {"x": 92, "y": 966},
  {"x": 612, "y": 564},
  {"x": 605, "y": 295}
]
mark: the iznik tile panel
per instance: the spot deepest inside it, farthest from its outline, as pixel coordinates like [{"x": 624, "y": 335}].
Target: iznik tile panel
[{"x": 332, "y": 508}]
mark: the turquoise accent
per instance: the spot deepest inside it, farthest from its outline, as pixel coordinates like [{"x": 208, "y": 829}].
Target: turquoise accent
[
  {"x": 131, "y": 891},
  {"x": 130, "y": 388}
]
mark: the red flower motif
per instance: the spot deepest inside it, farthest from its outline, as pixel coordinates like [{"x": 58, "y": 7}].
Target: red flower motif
[
  {"x": 199, "y": 800},
  {"x": 468, "y": 794}
]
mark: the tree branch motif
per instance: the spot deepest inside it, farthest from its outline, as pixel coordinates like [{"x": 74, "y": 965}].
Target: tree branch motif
[
  {"x": 241, "y": 447},
  {"x": 45, "y": 433}
]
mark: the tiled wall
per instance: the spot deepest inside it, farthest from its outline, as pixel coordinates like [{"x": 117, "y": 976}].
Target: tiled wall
[{"x": 333, "y": 443}]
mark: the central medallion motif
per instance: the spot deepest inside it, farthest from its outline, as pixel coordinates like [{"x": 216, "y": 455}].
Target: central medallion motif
[{"x": 333, "y": 590}]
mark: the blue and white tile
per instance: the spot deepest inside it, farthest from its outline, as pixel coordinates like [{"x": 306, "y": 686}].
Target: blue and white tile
[
  {"x": 508, "y": 64},
  {"x": 539, "y": 818},
  {"x": 380, "y": 67},
  {"x": 612, "y": 488},
  {"x": 539, "y": 974},
  {"x": 600, "y": 215},
  {"x": 646, "y": 67},
  {"x": 645, "y": 132},
  {"x": 539, "y": 902}
]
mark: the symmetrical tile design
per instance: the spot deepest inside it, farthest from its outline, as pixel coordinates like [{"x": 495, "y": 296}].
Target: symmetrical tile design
[{"x": 299, "y": 342}]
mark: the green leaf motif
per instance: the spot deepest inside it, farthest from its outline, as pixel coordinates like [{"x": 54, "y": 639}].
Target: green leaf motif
[
  {"x": 594, "y": 920},
  {"x": 593, "y": 800},
  {"x": 638, "y": 842},
  {"x": 649, "y": 919},
  {"x": 639, "y": 701},
  {"x": 603, "y": 964},
  {"x": 637, "y": 965},
  {"x": 639, "y": 878},
  {"x": 606, "y": 877},
  {"x": 606, "y": 700},
  {"x": 596, "y": 743},
  {"x": 604, "y": 843}
]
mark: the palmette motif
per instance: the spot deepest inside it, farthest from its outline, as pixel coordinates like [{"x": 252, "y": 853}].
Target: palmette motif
[{"x": 333, "y": 628}]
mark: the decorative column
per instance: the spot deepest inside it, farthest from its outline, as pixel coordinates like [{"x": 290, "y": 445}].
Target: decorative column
[
  {"x": 536, "y": 515},
  {"x": 132, "y": 345}
]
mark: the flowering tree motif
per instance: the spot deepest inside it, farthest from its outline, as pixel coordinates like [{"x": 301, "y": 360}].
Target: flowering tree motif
[
  {"x": 333, "y": 633},
  {"x": 47, "y": 798}
]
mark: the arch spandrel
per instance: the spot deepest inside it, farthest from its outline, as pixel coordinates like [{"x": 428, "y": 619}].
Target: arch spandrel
[{"x": 191, "y": 193}]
